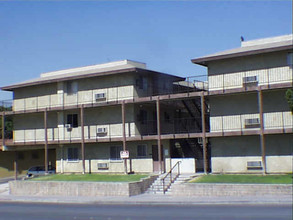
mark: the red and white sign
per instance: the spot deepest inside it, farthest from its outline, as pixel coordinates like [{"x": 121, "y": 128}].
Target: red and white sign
[{"x": 124, "y": 154}]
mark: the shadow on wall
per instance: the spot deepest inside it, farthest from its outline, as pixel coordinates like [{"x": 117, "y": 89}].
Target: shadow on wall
[{"x": 26, "y": 159}]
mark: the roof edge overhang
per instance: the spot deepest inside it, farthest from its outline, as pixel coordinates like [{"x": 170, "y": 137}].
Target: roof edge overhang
[
  {"x": 67, "y": 78},
  {"x": 204, "y": 60}
]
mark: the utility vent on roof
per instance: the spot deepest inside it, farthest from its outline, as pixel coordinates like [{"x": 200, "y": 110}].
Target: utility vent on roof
[
  {"x": 248, "y": 80},
  {"x": 100, "y": 96},
  {"x": 252, "y": 123}
]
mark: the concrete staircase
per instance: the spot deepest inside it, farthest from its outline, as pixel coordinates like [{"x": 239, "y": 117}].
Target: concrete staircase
[{"x": 157, "y": 186}]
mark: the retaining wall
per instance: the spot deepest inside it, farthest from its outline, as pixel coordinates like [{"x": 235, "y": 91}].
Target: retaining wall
[
  {"x": 219, "y": 189},
  {"x": 62, "y": 188}
]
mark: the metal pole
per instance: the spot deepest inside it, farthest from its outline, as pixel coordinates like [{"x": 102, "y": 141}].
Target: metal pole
[
  {"x": 262, "y": 137},
  {"x": 124, "y": 134},
  {"x": 159, "y": 134},
  {"x": 46, "y": 140},
  {"x": 15, "y": 165},
  {"x": 203, "y": 125},
  {"x": 3, "y": 128},
  {"x": 82, "y": 138}
]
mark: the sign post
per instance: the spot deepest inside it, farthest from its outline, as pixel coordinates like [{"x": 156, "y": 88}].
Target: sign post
[{"x": 124, "y": 155}]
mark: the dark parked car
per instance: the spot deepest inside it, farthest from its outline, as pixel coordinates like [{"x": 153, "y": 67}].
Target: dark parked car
[{"x": 40, "y": 171}]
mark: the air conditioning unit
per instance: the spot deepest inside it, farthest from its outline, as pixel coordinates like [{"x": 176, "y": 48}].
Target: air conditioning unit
[
  {"x": 250, "y": 80},
  {"x": 103, "y": 166},
  {"x": 252, "y": 123},
  {"x": 100, "y": 96},
  {"x": 101, "y": 131},
  {"x": 68, "y": 127},
  {"x": 254, "y": 165}
]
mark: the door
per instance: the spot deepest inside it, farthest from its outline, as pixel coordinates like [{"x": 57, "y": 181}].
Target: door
[{"x": 156, "y": 163}]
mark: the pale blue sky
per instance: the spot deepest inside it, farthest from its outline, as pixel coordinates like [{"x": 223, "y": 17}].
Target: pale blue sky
[{"x": 38, "y": 36}]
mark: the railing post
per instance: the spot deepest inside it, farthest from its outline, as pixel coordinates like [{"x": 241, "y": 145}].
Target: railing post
[{"x": 46, "y": 139}]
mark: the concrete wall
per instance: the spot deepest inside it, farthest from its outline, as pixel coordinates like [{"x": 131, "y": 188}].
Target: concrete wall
[
  {"x": 50, "y": 188},
  {"x": 100, "y": 153},
  {"x": 219, "y": 189},
  {"x": 270, "y": 68},
  {"x": 231, "y": 154}
]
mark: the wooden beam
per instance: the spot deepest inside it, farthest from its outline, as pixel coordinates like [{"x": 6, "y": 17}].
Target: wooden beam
[
  {"x": 203, "y": 127},
  {"x": 46, "y": 139},
  {"x": 159, "y": 134},
  {"x": 3, "y": 128},
  {"x": 262, "y": 137},
  {"x": 124, "y": 134},
  {"x": 82, "y": 138},
  {"x": 15, "y": 165}
]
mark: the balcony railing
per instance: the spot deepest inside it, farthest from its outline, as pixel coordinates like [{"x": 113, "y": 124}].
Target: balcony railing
[
  {"x": 94, "y": 96},
  {"x": 262, "y": 77},
  {"x": 248, "y": 122}
]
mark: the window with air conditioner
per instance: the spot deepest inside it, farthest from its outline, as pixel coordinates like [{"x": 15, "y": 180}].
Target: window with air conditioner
[
  {"x": 101, "y": 131},
  {"x": 252, "y": 123},
  {"x": 100, "y": 96},
  {"x": 103, "y": 166},
  {"x": 250, "y": 80}
]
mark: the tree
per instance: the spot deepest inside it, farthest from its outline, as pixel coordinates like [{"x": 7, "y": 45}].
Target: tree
[
  {"x": 8, "y": 124},
  {"x": 289, "y": 97}
]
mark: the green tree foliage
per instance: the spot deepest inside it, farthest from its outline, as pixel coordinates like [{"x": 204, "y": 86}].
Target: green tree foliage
[
  {"x": 289, "y": 97},
  {"x": 8, "y": 124}
]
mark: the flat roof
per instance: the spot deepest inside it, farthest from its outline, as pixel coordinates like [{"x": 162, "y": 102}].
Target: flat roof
[
  {"x": 254, "y": 47},
  {"x": 118, "y": 67}
]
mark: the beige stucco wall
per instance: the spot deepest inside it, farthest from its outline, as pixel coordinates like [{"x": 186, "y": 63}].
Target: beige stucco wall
[
  {"x": 271, "y": 68},
  {"x": 231, "y": 154},
  {"x": 100, "y": 153},
  {"x": 228, "y": 113}
]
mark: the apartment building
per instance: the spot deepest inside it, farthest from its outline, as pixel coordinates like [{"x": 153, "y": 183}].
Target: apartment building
[
  {"x": 80, "y": 119},
  {"x": 250, "y": 119}
]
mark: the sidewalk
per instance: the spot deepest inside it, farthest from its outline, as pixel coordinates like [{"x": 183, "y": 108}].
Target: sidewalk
[{"x": 151, "y": 199}]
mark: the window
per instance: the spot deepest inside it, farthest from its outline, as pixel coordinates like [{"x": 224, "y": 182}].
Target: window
[
  {"x": 166, "y": 117},
  {"x": 72, "y": 153},
  {"x": 290, "y": 59},
  {"x": 142, "y": 116},
  {"x": 35, "y": 155},
  {"x": 20, "y": 155},
  {"x": 72, "y": 120},
  {"x": 72, "y": 87},
  {"x": 142, "y": 83},
  {"x": 141, "y": 150},
  {"x": 115, "y": 152}
]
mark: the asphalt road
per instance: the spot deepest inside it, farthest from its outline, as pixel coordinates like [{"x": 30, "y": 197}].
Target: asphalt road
[{"x": 43, "y": 211}]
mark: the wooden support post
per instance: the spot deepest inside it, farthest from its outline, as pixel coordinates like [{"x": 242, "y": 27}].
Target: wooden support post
[
  {"x": 46, "y": 139},
  {"x": 82, "y": 138},
  {"x": 15, "y": 165},
  {"x": 203, "y": 126},
  {"x": 262, "y": 137},
  {"x": 124, "y": 134},
  {"x": 159, "y": 135},
  {"x": 3, "y": 128}
]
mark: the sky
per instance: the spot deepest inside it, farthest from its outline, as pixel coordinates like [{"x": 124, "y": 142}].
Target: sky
[{"x": 44, "y": 36}]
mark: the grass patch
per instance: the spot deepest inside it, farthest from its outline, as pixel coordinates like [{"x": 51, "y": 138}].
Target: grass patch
[
  {"x": 91, "y": 177},
  {"x": 243, "y": 178}
]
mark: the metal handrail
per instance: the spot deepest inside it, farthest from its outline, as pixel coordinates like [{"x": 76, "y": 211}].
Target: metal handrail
[{"x": 166, "y": 187}]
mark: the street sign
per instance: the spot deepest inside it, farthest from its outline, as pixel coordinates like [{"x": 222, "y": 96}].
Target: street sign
[{"x": 124, "y": 154}]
